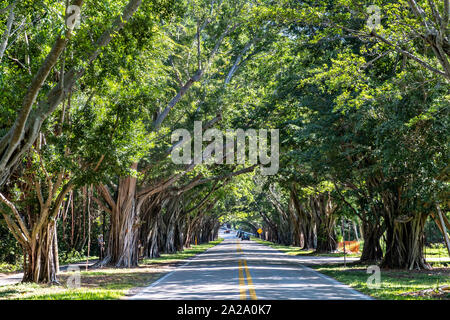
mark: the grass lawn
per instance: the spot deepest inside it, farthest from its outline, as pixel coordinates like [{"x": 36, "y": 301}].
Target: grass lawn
[
  {"x": 104, "y": 283},
  {"x": 73, "y": 260},
  {"x": 440, "y": 252},
  {"x": 6, "y": 268},
  {"x": 394, "y": 283},
  {"x": 9, "y": 268}
]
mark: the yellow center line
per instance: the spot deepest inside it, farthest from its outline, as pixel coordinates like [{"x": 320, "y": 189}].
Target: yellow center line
[
  {"x": 238, "y": 247},
  {"x": 251, "y": 287},
  {"x": 242, "y": 291},
  {"x": 242, "y": 287}
]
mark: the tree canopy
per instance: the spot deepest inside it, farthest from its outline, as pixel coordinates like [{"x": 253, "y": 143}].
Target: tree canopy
[{"x": 88, "y": 103}]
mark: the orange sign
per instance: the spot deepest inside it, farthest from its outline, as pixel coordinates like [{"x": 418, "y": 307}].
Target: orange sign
[
  {"x": 259, "y": 230},
  {"x": 350, "y": 246}
]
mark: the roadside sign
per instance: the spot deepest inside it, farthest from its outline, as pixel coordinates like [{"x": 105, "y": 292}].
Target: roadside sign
[{"x": 259, "y": 231}]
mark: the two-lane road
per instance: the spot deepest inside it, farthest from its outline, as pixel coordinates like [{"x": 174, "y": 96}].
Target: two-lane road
[{"x": 237, "y": 269}]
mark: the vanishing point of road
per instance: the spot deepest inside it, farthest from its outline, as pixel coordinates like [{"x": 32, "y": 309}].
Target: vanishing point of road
[{"x": 245, "y": 270}]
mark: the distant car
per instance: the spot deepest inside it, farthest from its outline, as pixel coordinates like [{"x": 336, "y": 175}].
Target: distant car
[
  {"x": 245, "y": 237},
  {"x": 227, "y": 231}
]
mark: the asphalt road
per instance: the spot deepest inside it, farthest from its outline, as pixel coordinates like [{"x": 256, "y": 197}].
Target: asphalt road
[{"x": 245, "y": 270}]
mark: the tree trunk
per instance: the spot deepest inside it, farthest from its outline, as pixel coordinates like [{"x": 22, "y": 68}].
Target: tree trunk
[
  {"x": 297, "y": 236},
  {"x": 442, "y": 227},
  {"x": 188, "y": 234},
  {"x": 172, "y": 217},
  {"x": 372, "y": 231},
  {"x": 310, "y": 236},
  {"x": 179, "y": 239},
  {"x": 150, "y": 234},
  {"x": 372, "y": 251},
  {"x": 149, "y": 225},
  {"x": 305, "y": 220},
  {"x": 123, "y": 236},
  {"x": 323, "y": 210},
  {"x": 41, "y": 264},
  {"x": 326, "y": 238},
  {"x": 37, "y": 235},
  {"x": 355, "y": 229},
  {"x": 404, "y": 243}
]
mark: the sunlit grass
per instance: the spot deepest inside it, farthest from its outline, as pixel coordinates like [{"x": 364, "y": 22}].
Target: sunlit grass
[
  {"x": 440, "y": 252},
  {"x": 10, "y": 268},
  {"x": 393, "y": 282},
  {"x": 18, "y": 267},
  {"x": 73, "y": 260},
  {"x": 81, "y": 294}
]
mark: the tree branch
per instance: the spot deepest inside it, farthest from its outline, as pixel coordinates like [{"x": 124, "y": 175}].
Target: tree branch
[
  {"x": 23, "y": 228},
  {"x": 5, "y": 36}
]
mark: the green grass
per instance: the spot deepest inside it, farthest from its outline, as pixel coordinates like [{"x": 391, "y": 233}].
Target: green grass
[
  {"x": 76, "y": 259},
  {"x": 104, "y": 283},
  {"x": 393, "y": 282},
  {"x": 42, "y": 292},
  {"x": 18, "y": 267},
  {"x": 436, "y": 252},
  {"x": 10, "y": 268},
  {"x": 81, "y": 295}
]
